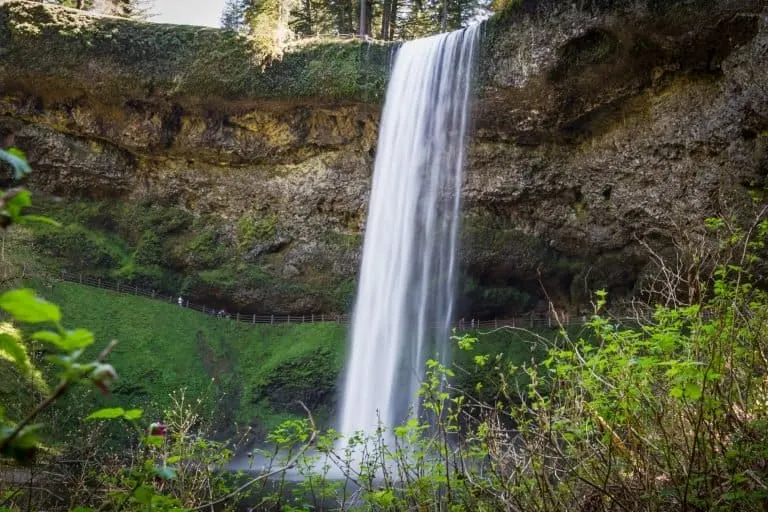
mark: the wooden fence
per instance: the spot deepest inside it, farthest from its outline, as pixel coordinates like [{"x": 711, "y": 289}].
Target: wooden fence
[{"x": 465, "y": 324}]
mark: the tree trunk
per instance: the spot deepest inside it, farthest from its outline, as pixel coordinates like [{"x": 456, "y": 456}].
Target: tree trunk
[
  {"x": 392, "y": 20},
  {"x": 369, "y": 17},
  {"x": 444, "y": 20},
  {"x": 363, "y": 29},
  {"x": 308, "y": 13},
  {"x": 385, "y": 14}
]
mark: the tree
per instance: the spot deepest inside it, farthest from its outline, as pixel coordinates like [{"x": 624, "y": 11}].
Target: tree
[
  {"x": 233, "y": 15},
  {"x": 126, "y": 8},
  {"x": 268, "y": 21},
  {"x": 385, "y": 19},
  {"x": 363, "y": 26}
]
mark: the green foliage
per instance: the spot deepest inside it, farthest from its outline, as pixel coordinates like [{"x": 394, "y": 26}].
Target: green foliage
[
  {"x": 113, "y": 413},
  {"x": 252, "y": 373},
  {"x": 166, "y": 249},
  {"x": 251, "y": 230},
  {"x": 171, "y": 466},
  {"x": 668, "y": 413},
  {"x": 20, "y": 440},
  {"x": 179, "y": 60},
  {"x": 16, "y": 159},
  {"x": 205, "y": 249},
  {"x": 149, "y": 250},
  {"x": 111, "y": 7},
  {"x": 385, "y": 19}
]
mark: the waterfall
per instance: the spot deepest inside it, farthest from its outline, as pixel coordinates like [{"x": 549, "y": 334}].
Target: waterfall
[{"x": 404, "y": 301}]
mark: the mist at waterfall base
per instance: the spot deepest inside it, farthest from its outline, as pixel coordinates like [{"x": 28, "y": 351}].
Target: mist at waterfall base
[{"x": 404, "y": 300}]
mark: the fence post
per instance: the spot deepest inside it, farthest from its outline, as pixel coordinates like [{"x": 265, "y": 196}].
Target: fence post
[
  {"x": 203, "y": 308},
  {"x": 313, "y": 318},
  {"x": 271, "y": 319},
  {"x": 81, "y": 278},
  {"x": 289, "y": 318},
  {"x": 136, "y": 289},
  {"x": 322, "y": 317},
  {"x": 237, "y": 316},
  {"x": 302, "y": 318},
  {"x": 254, "y": 318},
  {"x": 99, "y": 285}
]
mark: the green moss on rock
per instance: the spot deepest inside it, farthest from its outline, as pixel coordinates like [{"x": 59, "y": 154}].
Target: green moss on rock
[
  {"x": 113, "y": 57},
  {"x": 252, "y": 229}
]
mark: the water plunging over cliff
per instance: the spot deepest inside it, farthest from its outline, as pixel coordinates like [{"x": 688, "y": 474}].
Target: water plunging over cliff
[{"x": 405, "y": 294}]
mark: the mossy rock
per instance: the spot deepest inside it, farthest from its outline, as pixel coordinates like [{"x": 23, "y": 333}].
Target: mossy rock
[{"x": 64, "y": 50}]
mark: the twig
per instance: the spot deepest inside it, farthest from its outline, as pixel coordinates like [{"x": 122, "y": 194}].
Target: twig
[
  {"x": 43, "y": 489},
  {"x": 289, "y": 465},
  {"x": 10, "y": 497},
  {"x": 60, "y": 390}
]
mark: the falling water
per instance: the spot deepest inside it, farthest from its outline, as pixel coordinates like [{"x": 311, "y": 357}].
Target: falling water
[{"x": 404, "y": 300}]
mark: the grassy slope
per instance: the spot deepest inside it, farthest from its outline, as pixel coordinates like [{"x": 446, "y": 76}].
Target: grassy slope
[
  {"x": 251, "y": 374},
  {"x": 242, "y": 373}
]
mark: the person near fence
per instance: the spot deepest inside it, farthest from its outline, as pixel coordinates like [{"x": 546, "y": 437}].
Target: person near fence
[{"x": 181, "y": 302}]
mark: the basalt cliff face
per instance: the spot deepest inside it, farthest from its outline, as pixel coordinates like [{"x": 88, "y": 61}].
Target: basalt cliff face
[{"x": 187, "y": 162}]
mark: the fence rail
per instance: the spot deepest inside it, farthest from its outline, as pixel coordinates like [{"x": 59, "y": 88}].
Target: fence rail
[
  {"x": 527, "y": 321},
  {"x": 255, "y": 318}
]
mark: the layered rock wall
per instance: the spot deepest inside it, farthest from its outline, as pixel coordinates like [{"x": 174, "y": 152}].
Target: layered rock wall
[{"x": 599, "y": 131}]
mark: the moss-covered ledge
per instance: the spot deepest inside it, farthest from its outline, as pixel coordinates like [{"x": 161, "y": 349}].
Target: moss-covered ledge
[{"x": 48, "y": 50}]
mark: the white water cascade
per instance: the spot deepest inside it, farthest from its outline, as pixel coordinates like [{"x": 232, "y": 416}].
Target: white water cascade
[{"x": 404, "y": 301}]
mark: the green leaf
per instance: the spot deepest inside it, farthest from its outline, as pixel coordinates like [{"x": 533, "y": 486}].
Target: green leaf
[
  {"x": 15, "y": 158},
  {"x": 24, "y": 306},
  {"x": 165, "y": 472},
  {"x": 39, "y": 219},
  {"x": 692, "y": 391},
  {"x": 143, "y": 495},
  {"x": 79, "y": 338},
  {"x": 17, "y": 152},
  {"x": 154, "y": 440},
  {"x": 47, "y": 337},
  {"x": 16, "y": 200},
  {"x": 27, "y": 437},
  {"x": 12, "y": 347},
  {"x": 23, "y": 446},
  {"x": 174, "y": 459},
  {"x": 109, "y": 413},
  {"x": 133, "y": 414}
]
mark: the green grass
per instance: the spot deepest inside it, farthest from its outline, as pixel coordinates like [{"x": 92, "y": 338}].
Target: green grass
[{"x": 244, "y": 373}]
